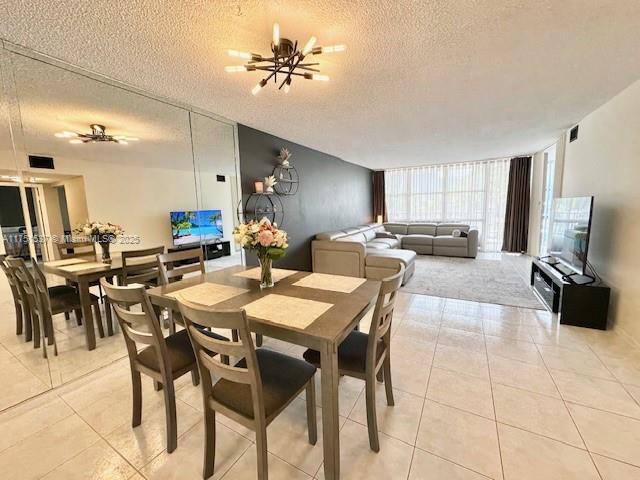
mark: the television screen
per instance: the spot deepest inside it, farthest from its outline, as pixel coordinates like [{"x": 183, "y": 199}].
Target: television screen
[
  {"x": 570, "y": 230},
  {"x": 188, "y": 227}
]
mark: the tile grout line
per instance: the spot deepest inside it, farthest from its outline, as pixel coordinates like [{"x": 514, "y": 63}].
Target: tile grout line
[
  {"x": 493, "y": 402},
  {"x": 571, "y": 416},
  {"x": 424, "y": 399}
]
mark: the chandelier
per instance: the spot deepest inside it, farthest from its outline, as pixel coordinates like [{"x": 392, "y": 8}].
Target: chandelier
[
  {"x": 286, "y": 60},
  {"x": 98, "y": 134}
]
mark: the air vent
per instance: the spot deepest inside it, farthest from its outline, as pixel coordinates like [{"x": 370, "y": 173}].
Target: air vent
[
  {"x": 221, "y": 178},
  {"x": 573, "y": 134},
  {"x": 37, "y": 161}
]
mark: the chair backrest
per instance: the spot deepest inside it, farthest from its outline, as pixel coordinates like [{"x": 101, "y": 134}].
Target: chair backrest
[
  {"x": 188, "y": 261},
  {"x": 383, "y": 314},
  {"x": 43, "y": 302},
  {"x": 85, "y": 248},
  {"x": 139, "y": 326},
  {"x": 205, "y": 347},
  {"x": 140, "y": 266},
  {"x": 10, "y": 278}
]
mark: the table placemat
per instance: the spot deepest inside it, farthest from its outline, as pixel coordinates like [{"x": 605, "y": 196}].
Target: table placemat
[
  {"x": 277, "y": 273},
  {"x": 76, "y": 267},
  {"x": 288, "y": 311},
  {"x": 66, "y": 261},
  {"x": 335, "y": 283},
  {"x": 207, "y": 294}
]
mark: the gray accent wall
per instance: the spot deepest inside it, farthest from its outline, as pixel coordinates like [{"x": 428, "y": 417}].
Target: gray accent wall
[{"x": 333, "y": 194}]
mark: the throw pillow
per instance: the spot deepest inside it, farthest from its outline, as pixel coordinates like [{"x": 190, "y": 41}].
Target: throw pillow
[
  {"x": 385, "y": 235},
  {"x": 455, "y": 233}
]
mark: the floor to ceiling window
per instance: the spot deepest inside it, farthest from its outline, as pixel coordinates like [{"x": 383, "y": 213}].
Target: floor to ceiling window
[
  {"x": 547, "y": 197},
  {"x": 473, "y": 193}
]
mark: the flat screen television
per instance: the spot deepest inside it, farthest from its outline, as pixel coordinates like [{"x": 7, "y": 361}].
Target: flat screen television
[
  {"x": 570, "y": 230},
  {"x": 196, "y": 226}
]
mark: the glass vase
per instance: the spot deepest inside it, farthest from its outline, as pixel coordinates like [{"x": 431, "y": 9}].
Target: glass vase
[
  {"x": 106, "y": 255},
  {"x": 266, "y": 278}
]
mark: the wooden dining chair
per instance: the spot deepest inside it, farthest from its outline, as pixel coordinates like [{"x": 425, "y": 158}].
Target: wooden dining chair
[
  {"x": 141, "y": 266},
  {"x": 368, "y": 356},
  {"x": 84, "y": 249},
  {"x": 173, "y": 266},
  {"x": 20, "y": 301},
  {"x": 252, "y": 392},
  {"x": 163, "y": 359}
]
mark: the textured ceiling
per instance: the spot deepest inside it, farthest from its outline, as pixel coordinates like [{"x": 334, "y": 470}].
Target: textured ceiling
[{"x": 421, "y": 82}]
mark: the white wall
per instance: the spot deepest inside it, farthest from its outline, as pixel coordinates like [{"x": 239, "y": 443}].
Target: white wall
[
  {"x": 535, "y": 209},
  {"x": 605, "y": 162}
]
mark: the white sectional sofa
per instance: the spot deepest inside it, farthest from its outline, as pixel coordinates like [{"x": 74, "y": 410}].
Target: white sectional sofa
[{"x": 436, "y": 238}]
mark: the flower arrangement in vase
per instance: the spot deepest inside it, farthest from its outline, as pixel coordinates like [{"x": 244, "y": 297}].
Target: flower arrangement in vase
[
  {"x": 269, "y": 183},
  {"x": 284, "y": 156},
  {"x": 103, "y": 233},
  {"x": 267, "y": 240}
]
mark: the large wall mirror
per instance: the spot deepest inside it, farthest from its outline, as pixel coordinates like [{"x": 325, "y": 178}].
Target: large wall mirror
[{"x": 170, "y": 180}]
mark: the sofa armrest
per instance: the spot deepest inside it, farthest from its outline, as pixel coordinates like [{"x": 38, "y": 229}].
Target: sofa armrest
[
  {"x": 472, "y": 243},
  {"x": 339, "y": 258}
]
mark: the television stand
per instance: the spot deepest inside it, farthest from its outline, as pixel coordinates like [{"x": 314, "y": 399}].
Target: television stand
[
  {"x": 577, "y": 303},
  {"x": 210, "y": 250}
]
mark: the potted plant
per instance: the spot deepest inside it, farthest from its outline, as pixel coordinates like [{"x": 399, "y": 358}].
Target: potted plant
[
  {"x": 267, "y": 240},
  {"x": 103, "y": 233}
]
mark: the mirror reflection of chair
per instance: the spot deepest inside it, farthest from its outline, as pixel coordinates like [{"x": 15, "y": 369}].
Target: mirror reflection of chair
[
  {"x": 141, "y": 266},
  {"x": 82, "y": 249},
  {"x": 163, "y": 359},
  {"x": 20, "y": 301},
  {"x": 254, "y": 391},
  {"x": 368, "y": 356}
]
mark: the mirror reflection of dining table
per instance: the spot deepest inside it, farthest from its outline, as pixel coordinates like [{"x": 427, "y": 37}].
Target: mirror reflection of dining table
[
  {"x": 83, "y": 272},
  {"x": 307, "y": 309}
]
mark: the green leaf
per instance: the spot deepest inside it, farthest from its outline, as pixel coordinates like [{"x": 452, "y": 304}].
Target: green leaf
[{"x": 275, "y": 252}]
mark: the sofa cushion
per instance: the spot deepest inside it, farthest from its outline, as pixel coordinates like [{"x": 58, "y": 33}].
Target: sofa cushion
[
  {"x": 422, "y": 228},
  {"x": 330, "y": 235},
  {"x": 399, "y": 228},
  {"x": 356, "y": 237},
  {"x": 417, "y": 239},
  {"x": 369, "y": 234},
  {"x": 390, "y": 258},
  {"x": 387, "y": 242},
  {"x": 449, "y": 241},
  {"x": 448, "y": 228}
]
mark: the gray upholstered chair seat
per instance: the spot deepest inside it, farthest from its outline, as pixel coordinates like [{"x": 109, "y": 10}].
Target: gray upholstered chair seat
[
  {"x": 61, "y": 290},
  {"x": 352, "y": 353},
  {"x": 417, "y": 239},
  {"x": 180, "y": 353},
  {"x": 449, "y": 241},
  {"x": 282, "y": 377}
]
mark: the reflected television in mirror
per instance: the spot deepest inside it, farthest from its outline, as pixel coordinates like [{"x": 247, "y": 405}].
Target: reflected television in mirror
[
  {"x": 192, "y": 227},
  {"x": 570, "y": 232}
]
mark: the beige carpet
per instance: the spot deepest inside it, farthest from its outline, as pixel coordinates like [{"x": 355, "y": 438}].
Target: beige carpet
[{"x": 478, "y": 280}]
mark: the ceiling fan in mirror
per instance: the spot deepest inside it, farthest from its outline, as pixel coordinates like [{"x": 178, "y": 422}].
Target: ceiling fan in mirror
[
  {"x": 286, "y": 59},
  {"x": 98, "y": 135}
]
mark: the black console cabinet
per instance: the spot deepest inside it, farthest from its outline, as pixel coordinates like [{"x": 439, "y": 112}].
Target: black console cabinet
[
  {"x": 209, "y": 250},
  {"x": 579, "y": 305}
]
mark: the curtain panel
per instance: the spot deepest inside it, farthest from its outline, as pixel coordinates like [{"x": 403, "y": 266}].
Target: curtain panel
[
  {"x": 473, "y": 193},
  {"x": 379, "y": 201},
  {"x": 516, "y": 220}
]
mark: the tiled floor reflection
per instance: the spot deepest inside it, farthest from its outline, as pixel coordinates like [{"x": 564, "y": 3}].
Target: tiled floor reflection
[{"x": 481, "y": 391}]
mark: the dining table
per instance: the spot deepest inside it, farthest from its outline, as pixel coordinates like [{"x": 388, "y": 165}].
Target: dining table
[{"x": 312, "y": 310}]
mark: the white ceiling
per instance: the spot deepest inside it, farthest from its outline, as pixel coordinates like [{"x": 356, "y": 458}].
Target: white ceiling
[{"x": 421, "y": 82}]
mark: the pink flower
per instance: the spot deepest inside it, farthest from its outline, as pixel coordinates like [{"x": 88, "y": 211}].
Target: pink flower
[{"x": 265, "y": 237}]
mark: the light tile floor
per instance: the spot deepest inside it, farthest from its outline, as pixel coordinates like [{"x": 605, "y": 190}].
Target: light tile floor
[{"x": 482, "y": 391}]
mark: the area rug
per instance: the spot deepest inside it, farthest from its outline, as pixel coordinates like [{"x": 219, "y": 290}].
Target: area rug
[{"x": 476, "y": 279}]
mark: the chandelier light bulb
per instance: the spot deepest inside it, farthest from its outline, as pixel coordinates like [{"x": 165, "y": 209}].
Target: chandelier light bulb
[
  {"x": 76, "y": 141},
  {"x": 238, "y": 54},
  {"x": 276, "y": 34},
  {"x": 258, "y": 87},
  {"x": 321, "y": 78},
  {"x": 287, "y": 86},
  {"x": 309, "y": 46}
]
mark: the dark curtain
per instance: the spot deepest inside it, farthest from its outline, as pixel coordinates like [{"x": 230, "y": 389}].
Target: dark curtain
[
  {"x": 379, "y": 201},
  {"x": 516, "y": 219}
]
